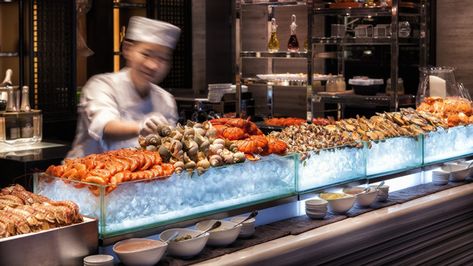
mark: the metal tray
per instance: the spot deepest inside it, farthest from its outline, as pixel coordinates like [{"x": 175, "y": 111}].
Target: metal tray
[{"x": 66, "y": 245}]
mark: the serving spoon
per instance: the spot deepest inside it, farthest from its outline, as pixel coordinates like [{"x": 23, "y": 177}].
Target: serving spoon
[
  {"x": 252, "y": 215},
  {"x": 172, "y": 237},
  {"x": 217, "y": 224},
  {"x": 380, "y": 185}
]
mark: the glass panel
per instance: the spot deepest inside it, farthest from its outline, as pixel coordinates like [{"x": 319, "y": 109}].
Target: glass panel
[
  {"x": 62, "y": 189},
  {"x": 134, "y": 206},
  {"x": 394, "y": 154},
  {"x": 331, "y": 166},
  {"x": 20, "y": 127},
  {"x": 444, "y": 144}
]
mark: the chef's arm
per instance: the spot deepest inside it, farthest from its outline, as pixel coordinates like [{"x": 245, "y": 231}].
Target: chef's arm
[{"x": 121, "y": 130}]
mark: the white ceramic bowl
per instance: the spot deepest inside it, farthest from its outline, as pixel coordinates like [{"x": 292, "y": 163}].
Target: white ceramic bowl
[
  {"x": 383, "y": 192},
  {"x": 224, "y": 235},
  {"x": 248, "y": 228},
  {"x": 458, "y": 172},
  {"x": 470, "y": 170},
  {"x": 362, "y": 198},
  {"x": 338, "y": 205},
  {"x": 185, "y": 248},
  {"x": 98, "y": 260},
  {"x": 139, "y": 251},
  {"x": 440, "y": 177}
]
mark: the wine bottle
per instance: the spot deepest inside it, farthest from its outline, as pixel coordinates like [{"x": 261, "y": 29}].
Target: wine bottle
[
  {"x": 293, "y": 44},
  {"x": 273, "y": 44}
]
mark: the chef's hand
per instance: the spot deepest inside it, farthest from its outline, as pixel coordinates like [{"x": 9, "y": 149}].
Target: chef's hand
[{"x": 150, "y": 124}]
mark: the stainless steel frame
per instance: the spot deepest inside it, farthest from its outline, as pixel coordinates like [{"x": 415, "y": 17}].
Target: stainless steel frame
[{"x": 66, "y": 245}]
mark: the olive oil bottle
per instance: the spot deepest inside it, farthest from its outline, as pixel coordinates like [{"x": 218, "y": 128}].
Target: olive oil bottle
[
  {"x": 293, "y": 44},
  {"x": 273, "y": 44}
]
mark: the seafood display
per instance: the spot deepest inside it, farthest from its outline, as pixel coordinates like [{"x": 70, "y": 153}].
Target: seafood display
[
  {"x": 113, "y": 167},
  {"x": 247, "y": 137},
  {"x": 284, "y": 122},
  {"x": 349, "y": 132},
  {"x": 24, "y": 212},
  {"x": 194, "y": 146},
  {"x": 309, "y": 137},
  {"x": 135, "y": 205},
  {"x": 455, "y": 110}
]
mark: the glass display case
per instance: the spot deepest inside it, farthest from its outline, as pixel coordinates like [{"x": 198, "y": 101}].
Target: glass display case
[
  {"x": 141, "y": 205},
  {"x": 444, "y": 144},
  {"x": 134, "y": 206},
  {"x": 21, "y": 127},
  {"x": 331, "y": 166},
  {"x": 393, "y": 154}
]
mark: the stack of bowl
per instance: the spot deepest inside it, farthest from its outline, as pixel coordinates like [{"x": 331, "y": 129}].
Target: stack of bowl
[
  {"x": 440, "y": 177},
  {"x": 316, "y": 208}
]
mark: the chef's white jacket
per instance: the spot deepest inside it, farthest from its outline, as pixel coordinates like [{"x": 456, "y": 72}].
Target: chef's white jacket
[{"x": 112, "y": 96}]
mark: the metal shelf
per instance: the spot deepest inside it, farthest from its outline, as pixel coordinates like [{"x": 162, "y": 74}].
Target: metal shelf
[
  {"x": 355, "y": 12},
  {"x": 266, "y": 54},
  {"x": 9, "y": 54},
  {"x": 362, "y": 41},
  {"x": 365, "y": 100},
  {"x": 129, "y": 5},
  {"x": 272, "y": 3},
  {"x": 288, "y": 84}
]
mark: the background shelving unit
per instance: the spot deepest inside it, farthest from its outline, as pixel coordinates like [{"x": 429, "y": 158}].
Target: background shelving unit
[
  {"x": 38, "y": 42},
  {"x": 415, "y": 44},
  {"x": 12, "y": 40},
  {"x": 252, "y": 56},
  {"x": 326, "y": 54}
]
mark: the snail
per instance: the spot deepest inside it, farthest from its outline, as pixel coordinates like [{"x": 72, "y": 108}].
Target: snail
[
  {"x": 179, "y": 166},
  {"x": 216, "y": 160},
  {"x": 202, "y": 165},
  {"x": 239, "y": 157},
  {"x": 153, "y": 139},
  {"x": 142, "y": 141},
  {"x": 163, "y": 130}
]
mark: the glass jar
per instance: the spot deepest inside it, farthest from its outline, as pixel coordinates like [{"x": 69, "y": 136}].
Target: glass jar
[
  {"x": 404, "y": 29},
  {"x": 400, "y": 87},
  {"x": 437, "y": 82},
  {"x": 340, "y": 83},
  {"x": 331, "y": 85}
]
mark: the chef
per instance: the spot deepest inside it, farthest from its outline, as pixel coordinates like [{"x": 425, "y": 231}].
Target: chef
[{"x": 115, "y": 108}]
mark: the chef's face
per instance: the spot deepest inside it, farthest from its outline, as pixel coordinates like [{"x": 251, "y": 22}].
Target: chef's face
[{"x": 149, "y": 62}]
